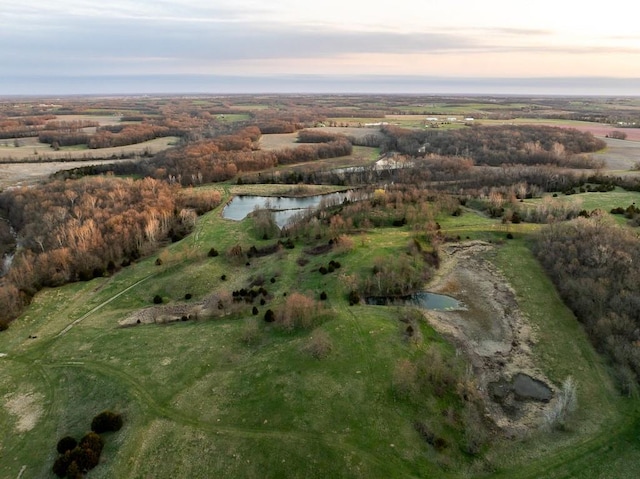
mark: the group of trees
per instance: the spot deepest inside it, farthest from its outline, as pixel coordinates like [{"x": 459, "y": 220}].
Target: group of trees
[
  {"x": 76, "y": 458},
  {"x": 66, "y": 133},
  {"x": 130, "y": 134},
  {"x": 222, "y": 158},
  {"x": 593, "y": 263},
  {"x": 499, "y": 145},
  {"x": 22, "y": 127},
  {"x": 78, "y": 229}
]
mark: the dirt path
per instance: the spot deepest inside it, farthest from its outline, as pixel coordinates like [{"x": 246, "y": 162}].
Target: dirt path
[
  {"x": 492, "y": 331},
  {"x": 101, "y": 305}
]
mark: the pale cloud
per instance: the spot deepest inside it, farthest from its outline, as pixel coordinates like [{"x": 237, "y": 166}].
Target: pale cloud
[{"x": 492, "y": 38}]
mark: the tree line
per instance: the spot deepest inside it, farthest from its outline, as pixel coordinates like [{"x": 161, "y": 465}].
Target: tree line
[
  {"x": 79, "y": 229},
  {"x": 221, "y": 158},
  {"x": 499, "y": 145},
  {"x": 593, "y": 264}
]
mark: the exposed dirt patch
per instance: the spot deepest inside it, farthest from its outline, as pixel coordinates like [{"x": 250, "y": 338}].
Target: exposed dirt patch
[
  {"x": 279, "y": 141},
  {"x": 492, "y": 332},
  {"x": 161, "y": 314},
  {"x": 26, "y": 407}
]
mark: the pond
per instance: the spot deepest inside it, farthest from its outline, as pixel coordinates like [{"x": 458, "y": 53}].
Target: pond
[
  {"x": 524, "y": 388},
  {"x": 436, "y": 302},
  {"x": 284, "y": 207},
  {"x": 422, "y": 299}
]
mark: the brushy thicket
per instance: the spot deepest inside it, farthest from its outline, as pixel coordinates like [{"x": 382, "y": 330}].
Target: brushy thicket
[{"x": 593, "y": 263}]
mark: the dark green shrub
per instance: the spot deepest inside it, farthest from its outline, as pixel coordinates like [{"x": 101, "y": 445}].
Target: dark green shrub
[
  {"x": 74, "y": 471},
  {"x": 269, "y": 316},
  {"x": 107, "y": 421},
  {"x": 65, "y": 444},
  {"x": 354, "y": 298},
  {"x": 158, "y": 262},
  {"x": 61, "y": 464},
  {"x": 157, "y": 299},
  {"x": 323, "y": 296},
  {"x": 188, "y": 296},
  {"x": 213, "y": 253},
  {"x": 93, "y": 441},
  {"x": 86, "y": 458},
  {"x": 254, "y": 311}
]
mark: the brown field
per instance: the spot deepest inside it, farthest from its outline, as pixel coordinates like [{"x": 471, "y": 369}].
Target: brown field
[
  {"x": 620, "y": 154},
  {"x": 101, "y": 119},
  {"x": 597, "y": 129},
  {"x": 279, "y": 141},
  {"x": 31, "y": 149},
  {"x": 20, "y": 174}
]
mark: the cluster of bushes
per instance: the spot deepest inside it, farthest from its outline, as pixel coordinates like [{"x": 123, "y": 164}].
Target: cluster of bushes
[
  {"x": 599, "y": 188},
  {"x": 629, "y": 212},
  {"x": 396, "y": 277},
  {"x": 299, "y": 312},
  {"x": 249, "y": 295},
  {"x": 333, "y": 265},
  {"x": 76, "y": 458}
]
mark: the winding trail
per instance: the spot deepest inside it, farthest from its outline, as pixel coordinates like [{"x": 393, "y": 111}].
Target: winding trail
[
  {"x": 101, "y": 305},
  {"x": 159, "y": 411}
]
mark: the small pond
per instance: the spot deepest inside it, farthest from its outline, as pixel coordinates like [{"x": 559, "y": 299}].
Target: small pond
[
  {"x": 284, "y": 207},
  {"x": 422, "y": 299},
  {"x": 524, "y": 388}
]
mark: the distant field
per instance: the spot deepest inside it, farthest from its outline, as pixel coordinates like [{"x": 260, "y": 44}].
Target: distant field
[
  {"x": 633, "y": 134},
  {"x": 103, "y": 120},
  {"x": 32, "y": 150},
  {"x": 620, "y": 155},
  {"x": 278, "y": 141},
  {"x": 589, "y": 201},
  {"x": 13, "y": 174}
]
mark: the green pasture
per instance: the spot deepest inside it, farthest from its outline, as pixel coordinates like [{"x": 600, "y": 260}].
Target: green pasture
[
  {"x": 199, "y": 402},
  {"x": 589, "y": 201}
]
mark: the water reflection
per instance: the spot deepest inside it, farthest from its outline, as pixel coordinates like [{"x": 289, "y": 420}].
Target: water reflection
[
  {"x": 422, "y": 299},
  {"x": 284, "y": 207}
]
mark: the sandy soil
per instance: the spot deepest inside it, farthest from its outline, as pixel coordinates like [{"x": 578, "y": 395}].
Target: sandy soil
[
  {"x": 26, "y": 407},
  {"x": 492, "y": 332}
]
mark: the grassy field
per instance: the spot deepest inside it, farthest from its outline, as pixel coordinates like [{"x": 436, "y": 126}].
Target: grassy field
[
  {"x": 199, "y": 401},
  {"x": 604, "y": 201}
]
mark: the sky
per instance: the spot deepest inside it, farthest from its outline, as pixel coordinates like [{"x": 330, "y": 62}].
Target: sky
[{"x": 328, "y": 46}]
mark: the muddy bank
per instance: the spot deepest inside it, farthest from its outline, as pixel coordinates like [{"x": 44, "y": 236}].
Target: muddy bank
[{"x": 494, "y": 334}]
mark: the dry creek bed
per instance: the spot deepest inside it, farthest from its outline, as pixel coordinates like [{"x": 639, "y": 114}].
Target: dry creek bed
[{"x": 495, "y": 336}]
